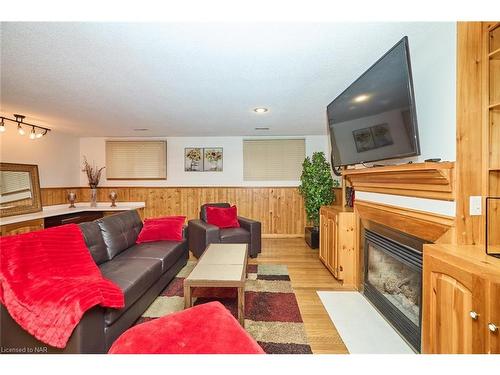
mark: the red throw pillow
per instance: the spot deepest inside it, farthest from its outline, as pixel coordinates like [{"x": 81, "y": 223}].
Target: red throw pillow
[
  {"x": 223, "y": 217},
  {"x": 162, "y": 229}
]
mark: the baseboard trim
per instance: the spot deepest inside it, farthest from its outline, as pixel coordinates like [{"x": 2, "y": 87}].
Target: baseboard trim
[{"x": 271, "y": 235}]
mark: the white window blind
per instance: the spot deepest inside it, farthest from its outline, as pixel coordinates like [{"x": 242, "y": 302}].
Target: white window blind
[
  {"x": 136, "y": 160},
  {"x": 273, "y": 159}
]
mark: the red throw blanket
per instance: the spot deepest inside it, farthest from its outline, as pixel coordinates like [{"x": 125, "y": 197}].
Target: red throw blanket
[{"x": 48, "y": 279}]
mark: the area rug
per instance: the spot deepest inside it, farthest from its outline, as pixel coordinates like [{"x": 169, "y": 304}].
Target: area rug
[{"x": 272, "y": 315}]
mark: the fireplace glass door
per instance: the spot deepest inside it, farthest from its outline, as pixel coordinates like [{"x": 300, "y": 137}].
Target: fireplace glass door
[
  {"x": 396, "y": 281},
  {"x": 393, "y": 283}
]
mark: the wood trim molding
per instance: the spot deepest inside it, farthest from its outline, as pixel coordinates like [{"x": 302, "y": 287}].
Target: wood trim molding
[
  {"x": 423, "y": 180},
  {"x": 470, "y": 130},
  {"x": 426, "y": 225}
]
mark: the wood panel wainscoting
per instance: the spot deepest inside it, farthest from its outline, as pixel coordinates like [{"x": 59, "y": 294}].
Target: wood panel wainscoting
[{"x": 279, "y": 209}]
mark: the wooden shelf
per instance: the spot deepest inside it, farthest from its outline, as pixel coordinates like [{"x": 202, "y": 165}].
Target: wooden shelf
[
  {"x": 494, "y": 106},
  {"x": 494, "y": 26},
  {"x": 494, "y": 169},
  {"x": 424, "y": 180},
  {"x": 495, "y": 55}
]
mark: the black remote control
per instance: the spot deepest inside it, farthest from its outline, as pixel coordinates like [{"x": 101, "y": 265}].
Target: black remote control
[{"x": 434, "y": 160}]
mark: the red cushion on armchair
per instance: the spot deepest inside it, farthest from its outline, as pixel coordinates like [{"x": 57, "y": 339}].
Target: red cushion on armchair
[
  {"x": 204, "y": 329},
  {"x": 223, "y": 217}
]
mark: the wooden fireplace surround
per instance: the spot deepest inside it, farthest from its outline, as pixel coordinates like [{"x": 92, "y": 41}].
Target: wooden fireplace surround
[{"x": 421, "y": 180}]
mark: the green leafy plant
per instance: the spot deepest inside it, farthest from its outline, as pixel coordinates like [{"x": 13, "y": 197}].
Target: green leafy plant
[{"x": 316, "y": 185}]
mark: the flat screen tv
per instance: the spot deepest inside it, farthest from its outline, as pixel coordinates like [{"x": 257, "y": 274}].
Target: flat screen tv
[{"x": 375, "y": 117}]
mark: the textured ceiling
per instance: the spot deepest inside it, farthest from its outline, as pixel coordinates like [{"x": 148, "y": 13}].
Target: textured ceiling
[{"x": 187, "y": 79}]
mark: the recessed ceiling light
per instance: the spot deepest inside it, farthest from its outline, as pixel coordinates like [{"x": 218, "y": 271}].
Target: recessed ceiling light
[
  {"x": 260, "y": 110},
  {"x": 361, "y": 98},
  {"x": 262, "y": 128},
  {"x": 141, "y": 130}
]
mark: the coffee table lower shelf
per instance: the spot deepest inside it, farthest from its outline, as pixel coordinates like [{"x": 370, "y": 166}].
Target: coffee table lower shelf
[{"x": 188, "y": 300}]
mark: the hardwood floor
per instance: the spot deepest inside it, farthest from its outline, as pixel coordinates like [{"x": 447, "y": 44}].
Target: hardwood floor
[{"x": 307, "y": 275}]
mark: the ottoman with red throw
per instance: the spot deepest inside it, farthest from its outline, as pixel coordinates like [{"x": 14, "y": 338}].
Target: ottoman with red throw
[{"x": 204, "y": 329}]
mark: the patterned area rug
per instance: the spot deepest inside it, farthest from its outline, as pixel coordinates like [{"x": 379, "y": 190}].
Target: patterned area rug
[{"x": 272, "y": 315}]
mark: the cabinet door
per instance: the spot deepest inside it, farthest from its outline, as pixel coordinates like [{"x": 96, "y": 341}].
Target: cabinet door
[
  {"x": 23, "y": 227},
  {"x": 332, "y": 245},
  {"x": 323, "y": 238},
  {"x": 493, "y": 323},
  {"x": 450, "y": 323}
]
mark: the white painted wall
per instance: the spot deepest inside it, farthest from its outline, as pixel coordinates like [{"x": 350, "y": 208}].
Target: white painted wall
[
  {"x": 440, "y": 207},
  {"x": 433, "y": 57},
  {"x": 56, "y": 155},
  {"x": 232, "y": 175}
]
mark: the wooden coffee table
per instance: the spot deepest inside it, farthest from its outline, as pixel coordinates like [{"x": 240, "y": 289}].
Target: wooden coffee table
[{"x": 221, "y": 266}]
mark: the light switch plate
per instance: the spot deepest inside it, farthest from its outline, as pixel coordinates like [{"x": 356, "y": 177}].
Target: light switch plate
[{"x": 475, "y": 203}]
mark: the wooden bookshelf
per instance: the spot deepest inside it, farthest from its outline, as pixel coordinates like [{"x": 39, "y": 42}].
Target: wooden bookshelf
[
  {"x": 495, "y": 54},
  {"x": 491, "y": 123}
]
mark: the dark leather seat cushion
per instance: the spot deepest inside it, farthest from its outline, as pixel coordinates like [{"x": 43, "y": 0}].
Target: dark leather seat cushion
[
  {"x": 234, "y": 235},
  {"x": 133, "y": 276},
  {"x": 93, "y": 239},
  {"x": 120, "y": 231},
  {"x": 167, "y": 252}
]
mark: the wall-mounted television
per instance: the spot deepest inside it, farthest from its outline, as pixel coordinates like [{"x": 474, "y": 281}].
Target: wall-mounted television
[{"x": 375, "y": 117}]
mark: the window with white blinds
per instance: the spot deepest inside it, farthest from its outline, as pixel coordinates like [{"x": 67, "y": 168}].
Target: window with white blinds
[
  {"x": 273, "y": 159},
  {"x": 136, "y": 160}
]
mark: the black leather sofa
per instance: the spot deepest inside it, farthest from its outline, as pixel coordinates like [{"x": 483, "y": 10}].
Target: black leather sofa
[
  {"x": 201, "y": 234},
  {"x": 141, "y": 270}
]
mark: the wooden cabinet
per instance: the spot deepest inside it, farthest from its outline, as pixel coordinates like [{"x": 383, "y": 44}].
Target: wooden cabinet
[
  {"x": 461, "y": 300},
  {"x": 337, "y": 240},
  {"x": 72, "y": 218},
  {"x": 493, "y": 343},
  {"x": 22, "y": 227}
]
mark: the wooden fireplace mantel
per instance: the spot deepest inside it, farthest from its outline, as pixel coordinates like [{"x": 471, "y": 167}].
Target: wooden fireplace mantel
[
  {"x": 428, "y": 226},
  {"x": 423, "y": 180}
]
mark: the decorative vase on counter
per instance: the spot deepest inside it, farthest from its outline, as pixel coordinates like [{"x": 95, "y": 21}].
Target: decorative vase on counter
[
  {"x": 93, "y": 197},
  {"x": 71, "y": 199},
  {"x": 113, "y": 196}
]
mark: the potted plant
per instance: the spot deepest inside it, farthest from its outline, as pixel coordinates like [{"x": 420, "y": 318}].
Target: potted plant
[{"x": 317, "y": 189}]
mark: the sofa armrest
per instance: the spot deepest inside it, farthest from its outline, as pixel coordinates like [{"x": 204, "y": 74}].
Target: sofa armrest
[
  {"x": 200, "y": 235},
  {"x": 87, "y": 337},
  {"x": 255, "y": 228}
]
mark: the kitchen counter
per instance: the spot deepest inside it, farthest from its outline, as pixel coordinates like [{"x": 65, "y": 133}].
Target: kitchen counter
[{"x": 63, "y": 209}]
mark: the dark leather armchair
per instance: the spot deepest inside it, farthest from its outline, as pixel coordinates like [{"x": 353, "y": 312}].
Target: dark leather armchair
[{"x": 201, "y": 234}]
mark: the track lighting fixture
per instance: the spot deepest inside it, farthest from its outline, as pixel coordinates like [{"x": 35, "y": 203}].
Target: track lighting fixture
[
  {"x": 35, "y": 133},
  {"x": 32, "y": 133}
]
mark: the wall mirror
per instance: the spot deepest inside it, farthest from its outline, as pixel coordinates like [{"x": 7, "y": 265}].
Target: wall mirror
[{"x": 19, "y": 189}]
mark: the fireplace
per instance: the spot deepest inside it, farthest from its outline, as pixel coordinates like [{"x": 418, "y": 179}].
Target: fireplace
[{"x": 393, "y": 279}]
